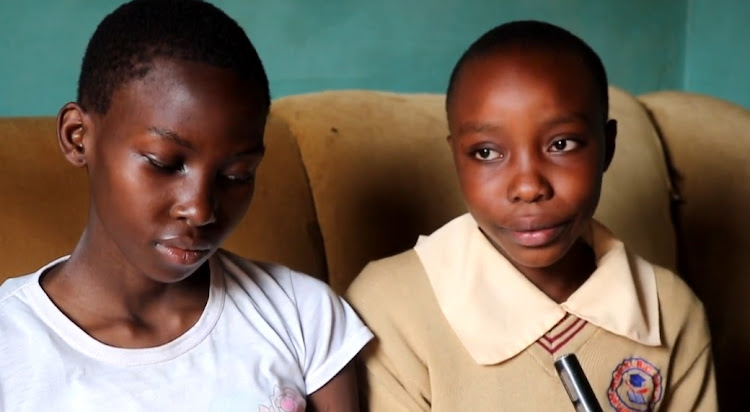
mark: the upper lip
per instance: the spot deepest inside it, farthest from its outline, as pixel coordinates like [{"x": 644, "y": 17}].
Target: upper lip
[{"x": 185, "y": 243}]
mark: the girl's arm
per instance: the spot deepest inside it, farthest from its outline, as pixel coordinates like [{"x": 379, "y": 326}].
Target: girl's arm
[{"x": 338, "y": 395}]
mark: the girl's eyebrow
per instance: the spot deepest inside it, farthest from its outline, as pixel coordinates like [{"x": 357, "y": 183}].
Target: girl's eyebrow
[
  {"x": 480, "y": 127},
  {"x": 567, "y": 118},
  {"x": 477, "y": 127},
  {"x": 258, "y": 150},
  {"x": 170, "y": 135}
]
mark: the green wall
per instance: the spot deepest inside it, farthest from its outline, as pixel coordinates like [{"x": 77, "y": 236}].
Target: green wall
[
  {"x": 718, "y": 49},
  {"x": 400, "y": 45}
]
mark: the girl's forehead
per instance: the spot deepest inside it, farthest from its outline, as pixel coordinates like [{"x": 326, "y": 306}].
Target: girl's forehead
[
  {"x": 526, "y": 84},
  {"x": 174, "y": 85},
  {"x": 190, "y": 100},
  {"x": 518, "y": 70}
]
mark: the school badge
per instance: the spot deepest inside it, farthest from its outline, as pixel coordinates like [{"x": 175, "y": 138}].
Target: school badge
[{"x": 636, "y": 386}]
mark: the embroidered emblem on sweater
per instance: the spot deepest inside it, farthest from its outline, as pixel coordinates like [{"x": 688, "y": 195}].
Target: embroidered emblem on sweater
[
  {"x": 636, "y": 386},
  {"x": 285, "y": 400}
]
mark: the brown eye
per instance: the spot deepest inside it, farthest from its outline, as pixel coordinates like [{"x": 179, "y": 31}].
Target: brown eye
[
  {"x": 563, "y": 145},
  {"x": 486, "y": 154}
]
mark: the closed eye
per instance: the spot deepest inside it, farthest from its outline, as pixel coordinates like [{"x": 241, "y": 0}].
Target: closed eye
[
  {"x": 486, "y": 154},
  {"x": 164, "y": 166},
  {"x": 564, "y": 145},
  {"x": 241, "y": 171},
  {"x": 239, "y": 178}
]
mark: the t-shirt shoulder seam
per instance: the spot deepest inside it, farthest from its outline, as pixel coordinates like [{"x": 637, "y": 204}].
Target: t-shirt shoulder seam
[
  {"x": 26, "y": 283},
  {"x": 355, "y": 342}
]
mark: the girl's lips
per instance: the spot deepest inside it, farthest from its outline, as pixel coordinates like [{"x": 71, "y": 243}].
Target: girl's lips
[
  {"x": 537, "y": 237},
  {"x": 182, "y": 257}
]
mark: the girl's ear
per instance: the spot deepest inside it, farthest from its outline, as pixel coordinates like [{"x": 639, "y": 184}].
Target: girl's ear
[
  {"x": 71, "y": 133},
  {"x": 610, "y": 135}
]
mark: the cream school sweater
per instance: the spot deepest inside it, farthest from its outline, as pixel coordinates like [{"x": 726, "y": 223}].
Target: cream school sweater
[{"x": 460, "y": 329}]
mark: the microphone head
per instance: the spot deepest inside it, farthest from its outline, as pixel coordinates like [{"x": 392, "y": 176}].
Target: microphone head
[{"x": 576, "y": 384}]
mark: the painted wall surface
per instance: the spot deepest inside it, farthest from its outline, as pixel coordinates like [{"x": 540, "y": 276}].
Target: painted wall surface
[
  {"x": 718, "y": 49},
  {"x": 399, "y": 45}
]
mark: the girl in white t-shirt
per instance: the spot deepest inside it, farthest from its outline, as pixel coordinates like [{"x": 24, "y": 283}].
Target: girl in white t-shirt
[{"x": 147, "y": 313}]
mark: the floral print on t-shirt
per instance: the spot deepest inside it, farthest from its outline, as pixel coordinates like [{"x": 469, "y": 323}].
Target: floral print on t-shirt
[{"x": 285, "y": 400}]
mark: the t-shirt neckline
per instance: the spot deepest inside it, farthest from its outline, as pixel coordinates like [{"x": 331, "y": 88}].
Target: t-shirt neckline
[{"x": 78, "y": 339}]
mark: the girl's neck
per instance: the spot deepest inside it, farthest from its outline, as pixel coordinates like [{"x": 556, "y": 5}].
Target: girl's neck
[
  {"x": 560, "y": 280},
  {"x": 121, "y": 308}
]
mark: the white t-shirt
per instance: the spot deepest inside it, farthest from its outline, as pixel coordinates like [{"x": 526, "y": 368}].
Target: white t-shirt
[{"x": 268, "y": 337}]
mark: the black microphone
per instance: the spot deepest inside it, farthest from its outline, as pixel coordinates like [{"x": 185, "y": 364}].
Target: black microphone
[{"x": 575, "y": 383}]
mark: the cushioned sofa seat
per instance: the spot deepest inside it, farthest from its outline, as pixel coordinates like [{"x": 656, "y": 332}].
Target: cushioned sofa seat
[{"x": 352, "y": 176}]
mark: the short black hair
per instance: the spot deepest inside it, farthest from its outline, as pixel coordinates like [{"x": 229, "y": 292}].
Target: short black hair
[
  {"x": 128, "y": 40},
  {"x": 535, "y": 35}
]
